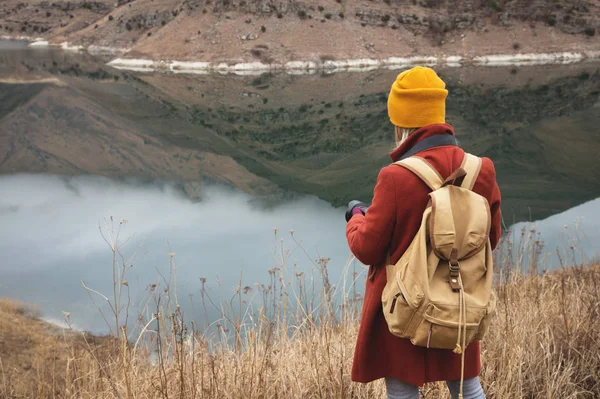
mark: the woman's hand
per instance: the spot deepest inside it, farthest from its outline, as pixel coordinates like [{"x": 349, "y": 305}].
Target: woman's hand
[{"x": 355, "y": 207}]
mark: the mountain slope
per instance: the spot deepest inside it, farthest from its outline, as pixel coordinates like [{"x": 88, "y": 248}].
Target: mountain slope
[
  {"x": 278, "y": 31},
  {"x": 65, "y": 131},
  {"x": 326, "y": 136}
]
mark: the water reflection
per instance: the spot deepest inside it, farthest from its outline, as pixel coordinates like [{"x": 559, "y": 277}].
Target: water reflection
[
  {"x": 565, "y": 239},
  {"x": 50, "y": 239},
  {"x": 275, "y": 134}
]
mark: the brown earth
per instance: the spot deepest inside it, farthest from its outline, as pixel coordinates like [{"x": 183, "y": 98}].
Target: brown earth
[
  {"x": 36, "y": 356},
  {"x": 317, "y": 30}
]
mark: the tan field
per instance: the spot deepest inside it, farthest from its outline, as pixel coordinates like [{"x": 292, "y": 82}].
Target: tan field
[{"x": 544, "y": 342}]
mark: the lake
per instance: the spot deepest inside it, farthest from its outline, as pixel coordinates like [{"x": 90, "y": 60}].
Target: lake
[{"x": 205, "y": 167}]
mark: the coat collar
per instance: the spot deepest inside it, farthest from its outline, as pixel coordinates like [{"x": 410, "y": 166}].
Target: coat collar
[{"x": 421, "y": 134}]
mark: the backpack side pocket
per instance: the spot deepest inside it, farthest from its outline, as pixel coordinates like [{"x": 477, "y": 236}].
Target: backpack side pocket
[
  {"x": 489, "y": 315},
  {"x": 400, "y": 308}
]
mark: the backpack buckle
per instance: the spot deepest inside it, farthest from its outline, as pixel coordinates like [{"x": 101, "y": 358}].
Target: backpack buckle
[
  {"x": 454, "y": 268},
  {"x": 453, "y": 280}
]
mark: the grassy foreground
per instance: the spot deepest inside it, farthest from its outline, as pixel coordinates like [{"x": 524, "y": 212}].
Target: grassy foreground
[{"x": 544, "y": 343}]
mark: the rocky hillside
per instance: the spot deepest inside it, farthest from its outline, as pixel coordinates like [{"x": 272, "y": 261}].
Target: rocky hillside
[{"x": 282, "y": 30}]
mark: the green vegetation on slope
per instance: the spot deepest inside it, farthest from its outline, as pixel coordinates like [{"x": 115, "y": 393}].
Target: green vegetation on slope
[{"x": 324, "y": 136}]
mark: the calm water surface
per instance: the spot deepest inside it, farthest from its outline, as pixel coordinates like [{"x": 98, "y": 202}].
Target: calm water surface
[{"x": 206, "y": 167}]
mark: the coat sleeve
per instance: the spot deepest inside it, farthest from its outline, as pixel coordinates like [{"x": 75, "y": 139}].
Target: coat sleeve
[
  {"x": 369, "y": 235},
  {"x": 494, "y": 200}
]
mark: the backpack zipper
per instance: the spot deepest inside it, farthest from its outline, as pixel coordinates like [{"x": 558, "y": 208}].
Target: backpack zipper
[
  {"x": 406, "y": 297},
  {"x": 393, "y": 306}
]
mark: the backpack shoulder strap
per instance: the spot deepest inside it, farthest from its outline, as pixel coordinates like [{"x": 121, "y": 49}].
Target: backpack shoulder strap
[
  {"x": 472, "y": 165},
  {"x": 423, "y": 170}
]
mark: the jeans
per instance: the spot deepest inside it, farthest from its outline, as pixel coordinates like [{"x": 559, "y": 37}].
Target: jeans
[{"x": 397, "y": 389}]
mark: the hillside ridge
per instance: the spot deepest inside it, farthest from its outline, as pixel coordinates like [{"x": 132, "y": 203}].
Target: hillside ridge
[{"x": 271, "y": 32}]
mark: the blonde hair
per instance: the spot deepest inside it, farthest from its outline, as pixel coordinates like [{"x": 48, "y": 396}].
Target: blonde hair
[{"x": 402, "y": 133}]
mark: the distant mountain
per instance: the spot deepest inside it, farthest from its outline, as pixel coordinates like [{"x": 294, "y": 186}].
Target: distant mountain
[{"x": 277, "y": 30}]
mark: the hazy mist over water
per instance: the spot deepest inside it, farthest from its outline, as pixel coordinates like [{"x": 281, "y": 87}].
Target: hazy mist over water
[
  {"x": 574, "y": 234},
  {"x": 50, "y": 239}
]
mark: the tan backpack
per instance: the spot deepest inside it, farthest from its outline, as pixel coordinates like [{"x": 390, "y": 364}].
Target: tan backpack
[{"x": 439, "y": 294}]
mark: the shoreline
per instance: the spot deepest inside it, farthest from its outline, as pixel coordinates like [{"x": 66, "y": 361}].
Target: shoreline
[
  {"x": 352, "y": 65},
  {"x": 310, "y": 66}
]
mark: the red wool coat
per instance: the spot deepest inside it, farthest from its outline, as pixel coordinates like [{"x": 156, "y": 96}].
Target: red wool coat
[{"x": 392, "y": 221}]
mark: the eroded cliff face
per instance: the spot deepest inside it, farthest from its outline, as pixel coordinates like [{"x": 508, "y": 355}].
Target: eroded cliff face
[
  {"x": 272, "y": 31},
  {"x": 274, "y": 134}
]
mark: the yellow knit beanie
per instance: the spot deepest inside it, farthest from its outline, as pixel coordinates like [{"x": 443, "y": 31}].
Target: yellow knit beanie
[{"x": 417, "y": 98}]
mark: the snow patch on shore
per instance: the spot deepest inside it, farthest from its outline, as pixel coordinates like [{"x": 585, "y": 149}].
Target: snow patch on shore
[
  {"x": 67, "y": 47},
  {"x": 529, "y": 59},
  {"x": 244, "y": 69},
  {"x": 454, "y": 61},
  {"x": 301, "y": 65},
  {"x": 405, "y": 62},
  {"x": 190, "y": 67},
  {"x": 94, "y": 49},
  {"x": 137, "y": 65},
  {"x": 40, "y": 44},
  {"x": 351, "y": 65},
  {"x": 311, "y": 67}
]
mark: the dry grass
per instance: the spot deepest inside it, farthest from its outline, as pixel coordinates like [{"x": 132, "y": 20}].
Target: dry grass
[
  {"x": 35, "y": 357},
  {"x": 280, "y": 340}
]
